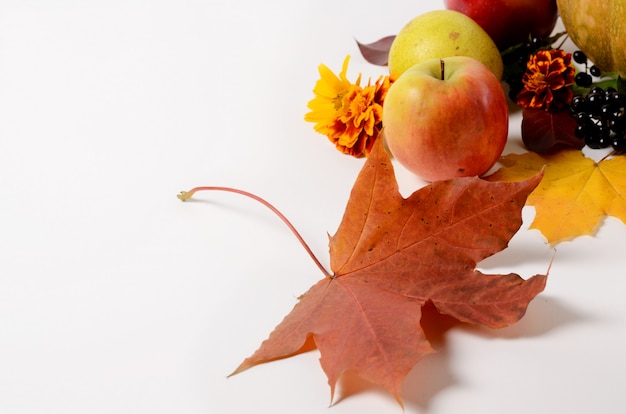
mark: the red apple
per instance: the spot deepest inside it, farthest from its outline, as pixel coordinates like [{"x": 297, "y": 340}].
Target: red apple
[
  {"x": 509, "y": 22},
  {"x": 446, "y": 118}
]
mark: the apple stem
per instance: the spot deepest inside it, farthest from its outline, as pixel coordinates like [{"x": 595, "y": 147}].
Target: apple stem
[
  {"x": 185, "y": 195},
  {"x": 442, "y": 66}
]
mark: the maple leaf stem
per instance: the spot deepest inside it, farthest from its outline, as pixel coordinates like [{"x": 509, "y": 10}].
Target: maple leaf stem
[
  {"x": 610, "y": 154},
  {"x": 185, "y": 195}
]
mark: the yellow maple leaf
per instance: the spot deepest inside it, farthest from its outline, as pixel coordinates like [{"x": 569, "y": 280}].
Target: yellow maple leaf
[{"x": 575, "y": 194}]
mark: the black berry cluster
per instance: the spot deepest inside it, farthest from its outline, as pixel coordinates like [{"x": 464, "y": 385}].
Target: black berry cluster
[
  {"x": 601, "y": 118},
  {"x": 584, "y": 78}
]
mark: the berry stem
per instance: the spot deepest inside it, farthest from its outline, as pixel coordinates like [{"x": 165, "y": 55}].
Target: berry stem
[
  {"x": 186, "y": 195},
  {"x": 557, "y": 36}
]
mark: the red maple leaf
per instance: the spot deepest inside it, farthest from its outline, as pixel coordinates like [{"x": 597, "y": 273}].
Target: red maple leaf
[
  {"x": 390, "y": 257},
  {"x": 393, "y": 256}
]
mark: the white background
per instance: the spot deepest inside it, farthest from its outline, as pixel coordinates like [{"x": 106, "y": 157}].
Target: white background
[{"x": 115, "y": 297}]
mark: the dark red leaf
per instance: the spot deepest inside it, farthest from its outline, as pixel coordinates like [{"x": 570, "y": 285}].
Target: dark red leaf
[
  {"x": 377, "y": 53},
  {"x": 545, "y": 132}
]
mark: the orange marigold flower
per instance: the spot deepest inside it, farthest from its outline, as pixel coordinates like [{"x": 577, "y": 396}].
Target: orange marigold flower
[
  {"x": 349, "y": 114},
  {"x": 547, "y": 80}
]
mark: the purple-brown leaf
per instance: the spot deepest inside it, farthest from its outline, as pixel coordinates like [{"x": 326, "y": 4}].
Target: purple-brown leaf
[
  {"x": 377, "y": 53},
  {"x": 545, "y": 132}
]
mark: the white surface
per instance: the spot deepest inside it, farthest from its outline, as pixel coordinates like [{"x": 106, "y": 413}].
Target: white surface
[{"x": 115, "y": 297}]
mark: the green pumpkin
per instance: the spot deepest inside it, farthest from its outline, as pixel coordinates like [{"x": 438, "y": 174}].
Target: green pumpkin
[{"x": 598, "y": 28}]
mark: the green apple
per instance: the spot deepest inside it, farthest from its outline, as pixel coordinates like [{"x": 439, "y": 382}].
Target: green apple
[
  {"x": 441, "y": 34},
  {"x": 446, "y": 118}
]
